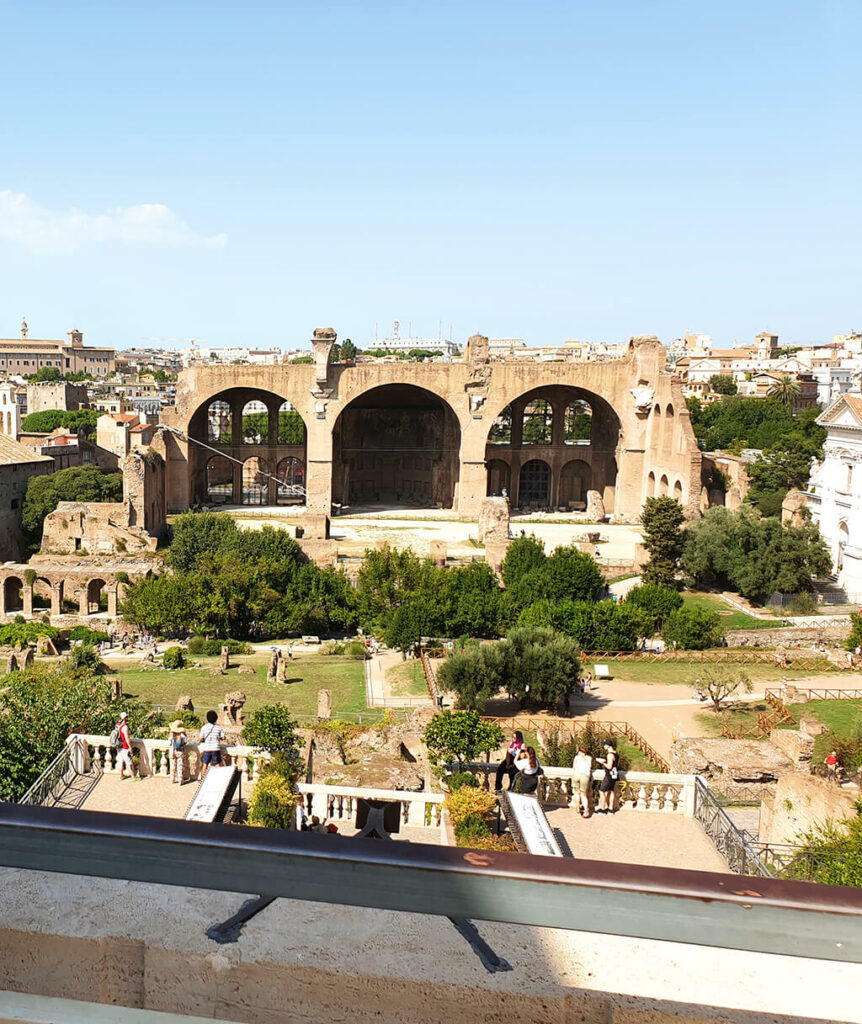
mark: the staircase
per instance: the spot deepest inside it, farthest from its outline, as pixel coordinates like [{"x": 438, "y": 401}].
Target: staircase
[{"x": 829, "y": 591}]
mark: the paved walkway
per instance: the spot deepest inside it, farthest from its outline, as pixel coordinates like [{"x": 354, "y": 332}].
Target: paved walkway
[
  {"x": 154, "y": 796},
  {"x": 657, "y": 839}
]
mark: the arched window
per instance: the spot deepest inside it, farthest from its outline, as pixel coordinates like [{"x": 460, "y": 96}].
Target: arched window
[
  {"x": 219, "y": 481},
  {"x": 538, "y": 422},
  {"x": 255, "y": 481},
  {"x": 499, "y": 476},
  {"x": 97, "y": 597},
  {"x": 291, "y": 429},
  {"x": 663, "y": 486},
  {"x": 501, "y": 428},
  {"x": 255, "y": 423},
  {"x": 650, "y": 486},
  {"x": 578, "y": 423},
  {"x": 677, "y": 491},
  {"x": 218, "y": 423},
  {"x": 291, "y": 480}
]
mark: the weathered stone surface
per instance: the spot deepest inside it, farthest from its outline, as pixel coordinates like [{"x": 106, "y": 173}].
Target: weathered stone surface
[
  {"x": 494, "y": 521},
  {"x": 224, "y": 661},
  {"x": 812, "y": 726},
  {"x": 797, "y": 744},
  {"x": 230, "y": 712},
  {"x": 734, "y": 760},
  {"x": 324, "y": 703},
  {"x": 245, "y": 670},
  {"x": 802, "y": 802},
  {"x": 280, "y": 670},
  {"x": 595, "y": 506},
  {"x": 792, "y": 506},
  {"x": 184, "y": 703}
]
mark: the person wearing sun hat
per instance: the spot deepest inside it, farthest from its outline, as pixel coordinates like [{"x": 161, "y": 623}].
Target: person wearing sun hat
[{"x": 178, "y": 744}]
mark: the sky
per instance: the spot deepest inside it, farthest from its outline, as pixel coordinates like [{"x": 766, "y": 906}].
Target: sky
[{"x": 243, "y": 173}]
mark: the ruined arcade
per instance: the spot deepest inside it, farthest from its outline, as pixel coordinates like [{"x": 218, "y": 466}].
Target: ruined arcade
[{"x": 328, "y": 436}]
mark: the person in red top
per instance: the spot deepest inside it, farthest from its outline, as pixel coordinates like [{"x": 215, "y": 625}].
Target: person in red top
[
  {"x": 124, "y": 754},
  {"x": 832, "y": 763}
]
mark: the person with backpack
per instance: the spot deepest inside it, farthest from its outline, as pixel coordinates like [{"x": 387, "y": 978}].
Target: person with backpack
[
  {"x": 212, "y": 737},
  {"x": 178, "y": 744},
  {"x": 121, "y": 740}
]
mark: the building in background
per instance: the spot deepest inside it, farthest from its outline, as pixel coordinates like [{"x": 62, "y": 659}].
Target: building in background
[
  {"x": 18, "y": 464},
  {"x": 56, "y": 395},
  {"x": 10, "y": 412},
  {"x": 26, "y": 355}
]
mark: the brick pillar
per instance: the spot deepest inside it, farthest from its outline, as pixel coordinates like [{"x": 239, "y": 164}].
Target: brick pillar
[
  {"x": 27, "y": 597},
  {"x": 112, "y": 600},
  {"x": 57, "y": 599}
]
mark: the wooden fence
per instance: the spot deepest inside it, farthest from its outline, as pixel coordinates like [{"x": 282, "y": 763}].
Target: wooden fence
[{"x": 720, "y": 656}]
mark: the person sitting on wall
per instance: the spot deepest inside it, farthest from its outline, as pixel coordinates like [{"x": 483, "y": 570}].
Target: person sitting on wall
[{"x": 507, "y": 766}]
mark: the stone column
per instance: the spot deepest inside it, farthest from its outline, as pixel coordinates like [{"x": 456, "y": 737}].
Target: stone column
[
  {"x": 57, "y": 598},
  {"x": 558, "y": 423},
  {"x": 237, "y": 483},
  {"x": 518, "y": 407},
  {"x": 27, "y": 598},
  {"x": 318, "y": 472},
  {"x": 112, "y": 600}
]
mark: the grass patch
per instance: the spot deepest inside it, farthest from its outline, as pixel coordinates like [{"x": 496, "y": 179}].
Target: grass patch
[
  {"x": 842, "y": 717},
  {"x": 682, "y": 673},
  {"x": 345, "y": 677},
  {"x": 741, "y": 718},
  {"x": 730, "y": 617},
  {"x": 407, "y": 679}
]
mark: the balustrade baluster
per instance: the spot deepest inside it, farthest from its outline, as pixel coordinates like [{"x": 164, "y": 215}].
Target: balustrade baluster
[
  {"x": 669, "y": 800},
  {"x": 641, "y": 802},
  {"x": 654, "y": 804}
]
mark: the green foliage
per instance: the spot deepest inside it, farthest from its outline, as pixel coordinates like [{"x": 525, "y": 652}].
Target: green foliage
[
  {"x": 854, "y": 640},
  {"x": 531, "y": 576},
  {"x": 475, "y": 674},
  {"x": 271, "y": 727},
  {"x": 456, "y": 780},
  {"x": 85, "y": 658},
  {"x": 355, "y": 649},
  {"x": 47, "y": 373},
  {"x": 17, "y": 633},
  {"x": 784, "y": 465},
  {"x": 754, "y": 555},
  {"x": 273, "y": 802},
  {"x": 199, "y": 645},
  {"x": 72, "y": 419},
  {"x": 173, "y": 658},
  {"x": 756, "y": 422},
  {"x": 471, "y": 827},
  {"x": 189, "y": 719},
  {"x": 301, "y": 360},
  {"x": 656, "y": 601},
  {"x": 559, "y": 749},
  {"x": 38, "y": 710},
  {"x": 723, "y": 384},
  {"x": 693, "y": 629},
  {"x": 834, "y": 850},
  {"x": 87, "y": 635},
  {"x": 661, "y": 519},
  {"x": 461, "y": 736},
  {"x": 78, "y": 483},
  {"x": 523, "y": 556},
  {"x": 348, "y": 350}
]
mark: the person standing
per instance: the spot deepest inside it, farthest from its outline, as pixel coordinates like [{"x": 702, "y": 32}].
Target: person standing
[
  {"x": 507, "y": 766},
  {"x": 178, "y": 744},
  {"x": 609, "y": 780},
  {"x": 212, "y": 737},
  {"x": 582, "y": 767},
  {"x": 124, "y": 755}
]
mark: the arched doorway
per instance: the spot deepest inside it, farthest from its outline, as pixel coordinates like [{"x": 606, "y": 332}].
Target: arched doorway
[
  {"x": 396, "y": 445},
  {"x": 255, "y": 481},
  {"x": 575, "y": 481},
  {"x": 97, "y": 597},
  {"x": 663, "y": 485},
  {"x": 677, "y": 491},
  {"x": 219, "y": 481},
  {"x": 291, "y": 481},
  {"x": 499, "y": 476},
  {"x": 535, "y": 484},
  {"x": 13, "y": 594}
]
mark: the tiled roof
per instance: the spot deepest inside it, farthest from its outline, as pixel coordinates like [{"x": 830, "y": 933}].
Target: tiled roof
[{"x": 12, "y": 452}]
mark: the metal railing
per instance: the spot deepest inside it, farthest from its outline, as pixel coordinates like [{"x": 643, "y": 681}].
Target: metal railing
[
  {"x": 53, "y": 782},
  {"x": 786, "y": 860},
  {"x": 738, "y": 852},
  {"x": 695, "y": 907}
]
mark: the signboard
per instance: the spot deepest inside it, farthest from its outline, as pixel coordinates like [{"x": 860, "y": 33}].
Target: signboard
[
  {"x": 532, "y": 825},
  {"x": 214, "y": 794}
]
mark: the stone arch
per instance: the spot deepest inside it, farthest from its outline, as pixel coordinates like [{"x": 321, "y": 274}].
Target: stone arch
[
  {"x": 499, "y": 478},
  {"x": 663, "y": 486},
  {"x": 677, "y": 491},
  {"x": 534, "y": 484},
  {"x": 669, "y": 410},
  {"x": 843, "y": 541},
  {"x": 575, "y": 481},
  {"x": 260, "y": 424},
  {"x": 220, "y": 474},
  {"x": 291, "y": 480},
  {"x": 95, "y": 595},
  {"x": 650, "y": 486},
  {"x": 396, "y": 444},
  {"x": 255, "y": 481},
  {"x": 522, "y": 428},
  {"x": 13, "y": 594},
  {"x": 43, "y": 591}
]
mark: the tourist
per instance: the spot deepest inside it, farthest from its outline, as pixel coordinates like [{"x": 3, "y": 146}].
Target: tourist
[
  {"x": 529, "y": 770},
  {"x": 609, "y": 780},
  {"x": 582, "y": 767},
  {"x": 178, "y": 744},
  {"x": 588, "y": 683},
  {"x": 507, "y": 767},
  {"x": 832, "y": 765},
  {"x": 212, "y": 737},
  {"x": 124, "y": 755}
]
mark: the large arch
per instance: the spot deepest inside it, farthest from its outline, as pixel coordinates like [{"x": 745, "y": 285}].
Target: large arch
[
  {"x": 95, "y": 597},
  {"x": 13, "y": 594},
  {"x": 397, "y": 444},
  {"x": 547, "y": 422},
  {"x": 243, "y": 423}
]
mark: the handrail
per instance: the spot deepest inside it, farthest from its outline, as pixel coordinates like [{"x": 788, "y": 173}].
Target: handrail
[
  {"x": 737, "y": 851},
  {"x": 703, "y": 908}
]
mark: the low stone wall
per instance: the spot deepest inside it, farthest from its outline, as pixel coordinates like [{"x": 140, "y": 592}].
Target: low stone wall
[
  {"x": 788, "y": 635},
  {"x": 802, "y": 802}
]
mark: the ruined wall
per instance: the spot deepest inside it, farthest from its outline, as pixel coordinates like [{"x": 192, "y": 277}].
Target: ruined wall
[
  {"x": 802, "y": 802},
  {"x": 144, "y": 489},
  {"x": 95, "y": 528},
  {"x": 14, "y": 478},
  {"x": 56, "y": 396}
]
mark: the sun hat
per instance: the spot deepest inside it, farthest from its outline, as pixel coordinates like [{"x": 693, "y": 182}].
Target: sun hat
[
  {"x": 124, "y": 714},
  {"x": 177, "y": 726}
]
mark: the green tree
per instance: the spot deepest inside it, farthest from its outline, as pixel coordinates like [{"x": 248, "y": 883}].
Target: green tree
[
  {"x": 786, "y": 390},
  {"x": 719, "y": 687},
  {"x": 524, "y": 555},
  {"x": 661, "y": 519},
  {"x": 71, "y": 419},
  {"x": 385, "y": 577},
  {"x": 47, "y": 373},
  {"x": 785, "y": 465},
  {"x": 78, "y": 483},
  {"x": 854, "y": 640},
  {"x": 272, "y": 728},
  {"x": 693, "y": 629},
  {"x": 474, "y": 674},
  {"x": 540, "y": 667},
  {"x": 831, "y": 853},
  {"x": 348, "y": 350},
  {"x": 461, "y": 736},
  {"x": 567, "y": 574},
  {"x": 196, "y": 534},
  {"x": 166, "y": 605},
  {"x": 656, "y": 601},
  {"x": 722, "y": 384}
]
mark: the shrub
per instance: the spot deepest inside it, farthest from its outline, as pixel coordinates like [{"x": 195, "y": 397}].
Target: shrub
[
  {"x": 802, "y": 603},
  {"x": 855, "y": 638},
  {"x": 272, "y": 728},
  {"x": 86, "y": 658},
  {"x": 173, "y": 658},
  {"x": 559, "y": 749},
  {"x": 693, "y": 629},
  {"x": 461, "y": 735},
  {"x": 466, "y": 801},
  {"x": 470, "y": 828},
  {"x": 17, "y": 633},
  {"x": 457, "y": 780},
  {"x": 87, "y": 635},
  {"x": 273, "y": 802},
  {"x": 657, "y": 601},
  {"x": 200, "y": 645},
  {"x": 496, "y": 844},
  {"x": 355, "y": 649},
  {"x": 189, "y": 719}
]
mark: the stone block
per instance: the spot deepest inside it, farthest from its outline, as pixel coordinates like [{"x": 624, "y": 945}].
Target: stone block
[
  {"x": 494, "y": 521},
  {"x": 798, "y": 745},
  {"x": 595, "y": 507},
  {"x": 812, "y": 726},
  {"x": 437, "y": 550},
  {"x": 324, "y": 703}
]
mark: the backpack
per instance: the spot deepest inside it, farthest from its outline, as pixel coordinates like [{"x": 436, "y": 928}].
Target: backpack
[{"x": 114, "y": 738}]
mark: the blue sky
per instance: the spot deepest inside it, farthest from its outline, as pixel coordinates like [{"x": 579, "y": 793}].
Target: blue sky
[{"x": 241, "y": 174}]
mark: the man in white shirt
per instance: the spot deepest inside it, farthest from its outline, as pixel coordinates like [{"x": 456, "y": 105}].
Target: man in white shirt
[{"x": 212, "y": 737}]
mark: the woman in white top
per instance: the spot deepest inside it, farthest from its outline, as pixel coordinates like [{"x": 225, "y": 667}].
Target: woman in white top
[
  {"x": 528, "y": 770},
  {"x": 582, "y": 766}
]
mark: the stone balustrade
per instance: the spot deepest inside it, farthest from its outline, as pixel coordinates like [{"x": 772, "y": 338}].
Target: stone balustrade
[
  {"x": 638, "y": 791},
  {"x": 338, "y": 803},
  {"x": 153, "y": 757}
]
